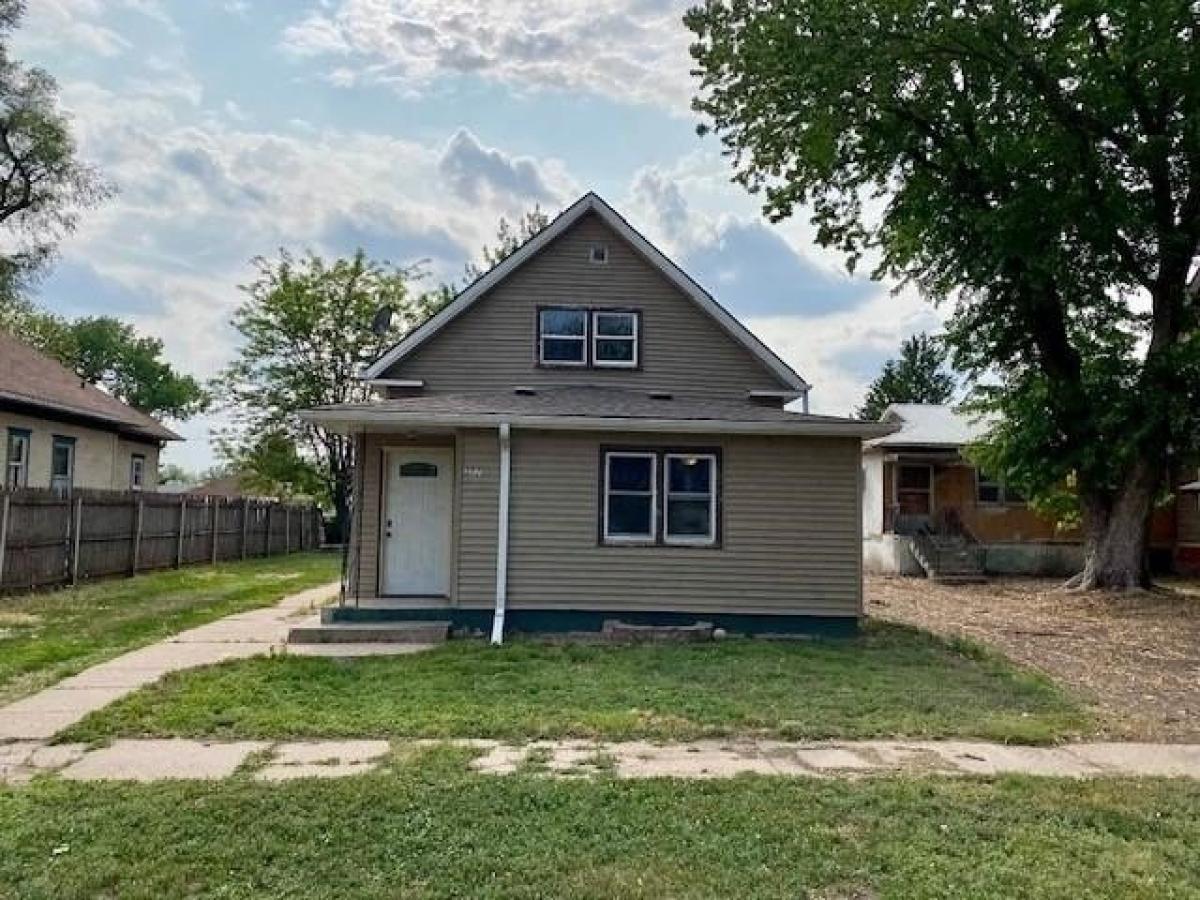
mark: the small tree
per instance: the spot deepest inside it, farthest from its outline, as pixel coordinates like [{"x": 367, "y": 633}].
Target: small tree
[
  {"x": 307, "y": 330},
  {"x": 509, "y": 238},
  {"x": 43, "y": 186},
  {"x": 918, "y": 376}
]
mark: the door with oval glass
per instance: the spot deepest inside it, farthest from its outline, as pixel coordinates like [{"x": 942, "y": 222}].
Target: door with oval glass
[{"x": 417, "y": 521}]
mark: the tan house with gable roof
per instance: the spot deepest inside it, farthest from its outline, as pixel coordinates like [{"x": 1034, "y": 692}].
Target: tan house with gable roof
[
  {"x": 62, "y": 433},
  {"x": 585, "y": 434}
]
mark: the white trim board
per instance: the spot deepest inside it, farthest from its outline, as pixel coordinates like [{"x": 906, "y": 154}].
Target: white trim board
[{"x": 589, "y": 202}]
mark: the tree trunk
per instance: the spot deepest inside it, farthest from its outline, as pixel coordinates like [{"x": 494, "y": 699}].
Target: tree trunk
[{"x": 1116, "y": 530}]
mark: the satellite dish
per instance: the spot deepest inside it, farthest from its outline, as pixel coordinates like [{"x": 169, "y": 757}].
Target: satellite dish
[{"x": 382, "y": 323}]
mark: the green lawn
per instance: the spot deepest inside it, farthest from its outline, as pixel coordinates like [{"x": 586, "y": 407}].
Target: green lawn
[
  {"x": 428, "y": 830},
  {"x": 890, "y": 681},
  {"x": 48, "y": 636}
]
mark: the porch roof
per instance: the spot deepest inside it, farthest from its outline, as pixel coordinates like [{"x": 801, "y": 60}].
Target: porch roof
[{"x": 586, "y": 408}]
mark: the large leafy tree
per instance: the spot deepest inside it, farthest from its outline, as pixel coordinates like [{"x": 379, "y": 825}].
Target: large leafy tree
[
  {"x": 110, "y": 353},
  {"x": 43, "y": 185},
  {"x": 307, "y": 333},
  {"x": 918, "y": 375},
  {"x": 1035, "y": 163}
]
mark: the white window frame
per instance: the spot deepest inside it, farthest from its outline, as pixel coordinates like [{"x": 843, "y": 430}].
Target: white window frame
[
  {"x": 137, "y": 471},
  {"x": 634, "y": 337},
  {"x": 713, "y": 476},
  {"x": 23, "y": 438},
  {"x": 609, "y": 537},
  {"x": 542, "y": 337}
]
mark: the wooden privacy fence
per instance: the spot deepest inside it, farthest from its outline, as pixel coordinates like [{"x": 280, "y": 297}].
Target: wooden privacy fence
[{"x": 47, "y": 539}]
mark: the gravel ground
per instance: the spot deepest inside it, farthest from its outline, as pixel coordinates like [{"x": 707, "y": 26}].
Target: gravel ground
[{"x": 1135, "y": 658}]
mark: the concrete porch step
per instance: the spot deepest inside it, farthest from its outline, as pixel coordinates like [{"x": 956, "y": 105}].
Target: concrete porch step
[{"x": 414, "y": 632}]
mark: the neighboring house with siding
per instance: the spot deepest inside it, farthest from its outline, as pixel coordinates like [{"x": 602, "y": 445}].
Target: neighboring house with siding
[
  {"x": 63, "y": 433},
  {"x": 920, "y": 489},
  {"x": 584, "y": 434}
]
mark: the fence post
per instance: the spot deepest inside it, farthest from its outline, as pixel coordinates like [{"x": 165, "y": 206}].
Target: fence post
[
  {"x": 4, "y": 511},
  {"x": 216, "y": 522},
  {"x": 287, "y": 529},
  {"x": 179, "y": 537},
  {"x": 270, "y": 520},
  {"x": 75, "y": 539},
  {"x": 137, "y": 534},
  {"x": 245, "y": 523}
]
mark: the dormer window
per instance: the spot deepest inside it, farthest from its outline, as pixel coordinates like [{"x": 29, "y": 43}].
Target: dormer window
[
  {"x": 615, "y": 339},
  {"x": 598, "y": 254},
  {"x": 562, "y": 337}
]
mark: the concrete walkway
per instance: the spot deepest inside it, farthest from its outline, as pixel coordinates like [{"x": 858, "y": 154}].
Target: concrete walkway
[
  {"x": 258, "y": 631},
  {"x": 153, "y": 760}
]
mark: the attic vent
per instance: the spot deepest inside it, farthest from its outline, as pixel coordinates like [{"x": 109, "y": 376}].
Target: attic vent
[
  {"x": 598, "y": 254},
  {"x": 524, "y": 391},
  {"x": 661, "y": 395}
]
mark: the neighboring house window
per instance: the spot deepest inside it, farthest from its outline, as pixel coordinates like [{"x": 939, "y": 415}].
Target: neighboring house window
[
  {"x": 62, "y": 463},
  {"x": 16, "y": 474},
  {"x": 677, "y": 507},
  {"x": 993, "y": 491},
  {"x": 562, "y": 337},
  {"x": 615, "y": 339},
  {"x": 137, "y": 471},
  {"x": 691, "y": 498},
  {"x": 630, "y": 496},
  {"x": 914, "y": 490}
]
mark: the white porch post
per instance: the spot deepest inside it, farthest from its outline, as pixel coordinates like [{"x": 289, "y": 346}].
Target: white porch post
[{"x": 502, "y": 536}]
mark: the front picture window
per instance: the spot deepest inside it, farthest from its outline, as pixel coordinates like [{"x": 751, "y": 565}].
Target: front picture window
[
  {"x": 562, "y": 337},
  {"x": 615, "y": 339},
  {"x": 630, "y": 489},
  {"x": 691, "y": 498}
]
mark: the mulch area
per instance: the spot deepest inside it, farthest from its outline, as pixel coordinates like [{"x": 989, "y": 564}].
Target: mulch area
[{"x": 1135, "y": 658}]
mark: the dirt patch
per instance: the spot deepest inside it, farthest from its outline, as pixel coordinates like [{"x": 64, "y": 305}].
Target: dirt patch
[{"x": 1135, "y": 658}]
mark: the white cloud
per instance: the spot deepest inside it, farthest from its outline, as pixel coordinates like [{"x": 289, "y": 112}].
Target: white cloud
[
  {"x": 80, "y": 23},
  {"x": 476, "y": 172},
  {"x": 630, "y": 50}
]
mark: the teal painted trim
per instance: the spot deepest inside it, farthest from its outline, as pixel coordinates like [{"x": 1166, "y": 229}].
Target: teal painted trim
[{"x": 535, "y": 621}]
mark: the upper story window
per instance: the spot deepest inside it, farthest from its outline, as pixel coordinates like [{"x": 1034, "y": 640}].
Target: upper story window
[
  {"x": 615, "y": 339},
  {"x": 562, "y": 337},
  {"x": 16, "y": 471},
  {"x": 137, "y": 471},
  {"x": 600, "y": 338},
  {"x": 62, "y": 463}
]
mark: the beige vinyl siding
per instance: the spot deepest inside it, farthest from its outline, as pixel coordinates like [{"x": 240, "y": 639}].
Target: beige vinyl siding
[
  {"x": 493, "y": 345},
  {"x": 790, "y": 542},
  {"x": 478, "y": 511}
]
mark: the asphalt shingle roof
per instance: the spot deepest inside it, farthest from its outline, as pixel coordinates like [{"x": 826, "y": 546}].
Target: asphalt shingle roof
[
  {"x": 31, "y": 378},
  {"x": 583, "y": 402}
]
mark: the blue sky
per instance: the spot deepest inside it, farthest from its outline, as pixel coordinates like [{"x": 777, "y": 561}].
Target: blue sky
[{"x": 408, "y": 127}]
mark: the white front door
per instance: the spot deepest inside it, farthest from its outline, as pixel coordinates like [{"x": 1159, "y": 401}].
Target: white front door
[{"x": 419, "y": 486}]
